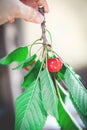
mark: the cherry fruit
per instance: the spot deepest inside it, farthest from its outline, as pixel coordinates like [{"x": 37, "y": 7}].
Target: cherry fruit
[
  {"x": 54, "y": 64},
  {"x": 27, "y": 68}
]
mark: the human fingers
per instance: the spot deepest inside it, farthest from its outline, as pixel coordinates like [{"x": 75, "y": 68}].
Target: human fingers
[
  {"x": 44, "y": 4},
  {"x": 36, "y": 3},
  {"x": 29, "y": 14},
  {"x": 11, "y": 20}
]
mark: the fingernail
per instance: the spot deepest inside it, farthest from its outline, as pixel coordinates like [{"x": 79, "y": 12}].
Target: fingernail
[{"x": 39, "y": 18}]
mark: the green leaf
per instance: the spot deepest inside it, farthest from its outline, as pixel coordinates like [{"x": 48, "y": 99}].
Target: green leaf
[
  {"x": 26, "y": 63},
  {"x": 32, "y": 74},
  {"x": 77, "y": 91},
  {"x": 66, "y": 121},
  {"x": 30, "y": 113},
  {"x": 61, "y": 73},
  {"x": 62, "y": 92},
  {"x": 17, "y": 55},
  {"x": 49, "y": 97},
  {"x": 84, "y": 118}
]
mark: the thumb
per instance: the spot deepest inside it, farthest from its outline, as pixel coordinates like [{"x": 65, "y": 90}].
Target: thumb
[{"x": 29, "y": 14}]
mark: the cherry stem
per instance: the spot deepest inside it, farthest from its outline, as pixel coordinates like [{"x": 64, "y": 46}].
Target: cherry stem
[
  {"x": 55, "y": 84},
  {"x": 49, "y": 35},
  {"x": 43, "y": 26}
]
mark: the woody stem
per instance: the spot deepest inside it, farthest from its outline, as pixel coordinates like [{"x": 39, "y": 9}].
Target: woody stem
[{"x": 43, "y": 26}]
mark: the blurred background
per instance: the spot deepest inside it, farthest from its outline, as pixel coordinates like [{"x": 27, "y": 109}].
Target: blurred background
[{"x": 67, "y": 22}]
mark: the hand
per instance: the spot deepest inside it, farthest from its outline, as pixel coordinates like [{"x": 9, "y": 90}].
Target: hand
[
  {"x": 36, "y": 3},
  {"x": 25, "y": 9}
]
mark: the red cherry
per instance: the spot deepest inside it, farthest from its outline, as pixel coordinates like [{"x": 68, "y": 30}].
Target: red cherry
[
  {"x": 27, "y": 68},
  {"x": 54, "y": 64}
]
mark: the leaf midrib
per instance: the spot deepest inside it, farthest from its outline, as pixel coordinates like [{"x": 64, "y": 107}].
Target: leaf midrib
[{"x": 28, "y": 105}]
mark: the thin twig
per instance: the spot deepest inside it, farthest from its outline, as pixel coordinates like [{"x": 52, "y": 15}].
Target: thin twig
[{"x": 43, "y": 26}]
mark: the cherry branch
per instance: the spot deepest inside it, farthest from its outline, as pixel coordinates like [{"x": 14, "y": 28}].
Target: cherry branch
[{"x": 43, "y": 26}]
